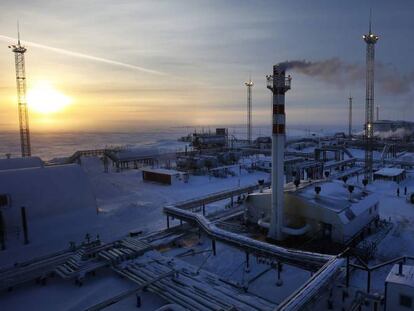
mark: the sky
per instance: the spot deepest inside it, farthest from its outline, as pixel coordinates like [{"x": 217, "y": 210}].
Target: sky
[{"x": 133, "y": 65}]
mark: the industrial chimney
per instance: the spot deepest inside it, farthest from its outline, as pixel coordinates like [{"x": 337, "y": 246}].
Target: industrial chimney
[{"x": 278, "y": 84}]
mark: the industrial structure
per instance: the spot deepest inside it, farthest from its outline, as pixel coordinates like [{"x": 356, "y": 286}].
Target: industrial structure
[
  {"x": 249, "y": 86},
  {"x": 278, "y": 83},
  {"x": 326, "y": 211},
  {"x": 370, "y": 39},
  {"x": 19, "y": 51}
]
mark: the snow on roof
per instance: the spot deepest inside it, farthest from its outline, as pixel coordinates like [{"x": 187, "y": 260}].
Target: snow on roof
[
  {"x": 47, "y": 191},
  {"x": 389, "y": 171},
  {"x": 161, "y": 171},
  {"x": 334, "y": 195},
  {"x": 136, "y": 153},
  {"x": 15, "y": 163},
  {"x": 407, "y": 277}
]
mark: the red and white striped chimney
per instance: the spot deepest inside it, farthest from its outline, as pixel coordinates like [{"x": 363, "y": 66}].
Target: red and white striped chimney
[{"x": 278, "y": 83}]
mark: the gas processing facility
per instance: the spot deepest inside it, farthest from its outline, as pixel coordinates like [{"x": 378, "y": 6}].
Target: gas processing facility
[{"x": 300, "y": 230}]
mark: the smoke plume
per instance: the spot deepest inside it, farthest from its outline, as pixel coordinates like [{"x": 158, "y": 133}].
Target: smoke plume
[{"x": 337, "y": 72}]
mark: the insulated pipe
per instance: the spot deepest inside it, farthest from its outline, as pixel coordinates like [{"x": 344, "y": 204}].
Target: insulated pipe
[
  {"x": 286, "y": 230},
  {"x": 24, "y": 225},
  {"x": 292, "y": 256},
  {"x": 171, "y": 307}
]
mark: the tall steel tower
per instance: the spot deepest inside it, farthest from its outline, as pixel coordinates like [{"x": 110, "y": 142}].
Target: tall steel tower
[
  {"x": 350, "y": 117},
  {"x": 370, "y": 39},
  {"x": 19, "y": 51},
  {"x": 249, "y": 86}
]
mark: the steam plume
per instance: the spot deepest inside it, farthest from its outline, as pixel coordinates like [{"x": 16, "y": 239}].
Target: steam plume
[{"x": 340, "y": 73}]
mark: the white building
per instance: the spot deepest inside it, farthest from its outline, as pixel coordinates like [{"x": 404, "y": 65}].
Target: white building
[
  {"x": 47, "y": 193},
  {"x": 332, "y": 212},
  {"x": 399, "y": 288}
]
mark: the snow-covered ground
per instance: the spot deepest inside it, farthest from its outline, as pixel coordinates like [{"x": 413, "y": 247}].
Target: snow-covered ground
[{"x": 127, "y": 203}]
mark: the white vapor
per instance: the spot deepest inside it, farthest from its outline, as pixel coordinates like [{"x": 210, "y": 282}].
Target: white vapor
[{"x": 84, "y": 56}]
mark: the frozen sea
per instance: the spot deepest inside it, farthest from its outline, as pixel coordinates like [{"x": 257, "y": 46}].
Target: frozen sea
[{"x": 49, "y": 145}]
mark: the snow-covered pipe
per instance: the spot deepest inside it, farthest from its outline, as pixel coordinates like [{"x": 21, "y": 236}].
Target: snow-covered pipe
[
  {"x": 286, "y": 230},
  {"x": 299, "y": 299},
  {"x": 171, "y": 307},
  {"x": 296, "y": 231},
  {"x": 290, "y": 255},
  {"x": 263, "y": 224}
]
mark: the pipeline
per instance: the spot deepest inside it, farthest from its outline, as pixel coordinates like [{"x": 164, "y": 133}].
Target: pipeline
[
  {"x": 294, "y": 257},
  {"x": 312, "y": 287}
]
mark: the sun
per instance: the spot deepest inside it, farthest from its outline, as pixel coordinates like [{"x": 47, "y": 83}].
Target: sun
[{"x": 45, "y": 99}]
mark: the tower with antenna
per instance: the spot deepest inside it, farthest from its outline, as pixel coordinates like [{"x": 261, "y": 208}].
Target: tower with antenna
[
  {"x": 249, "y": 86},
  {"x": 350, "y": 117},
  {"x": 19, "y": 51},
  {"x": 370, "y": 39}
]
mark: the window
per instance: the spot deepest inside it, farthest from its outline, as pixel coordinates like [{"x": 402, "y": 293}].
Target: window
[
  {"x": 4, "y": 200},
  {"x": 406, "y": 301},
  {"x": 349, "y": 214}
]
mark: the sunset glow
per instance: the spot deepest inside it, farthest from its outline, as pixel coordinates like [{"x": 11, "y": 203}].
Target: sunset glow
[{"x": 45, "y": 99}]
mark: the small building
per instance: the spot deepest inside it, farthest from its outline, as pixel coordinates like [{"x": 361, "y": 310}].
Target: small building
[
  {"x": 162, "y": 176},
  {"x": 390, "y": 174},
  {"x": 399, "y": 288}
]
